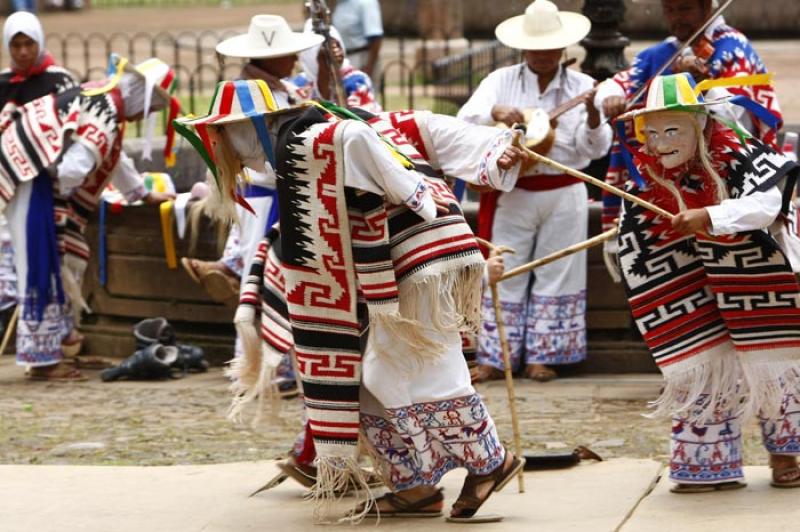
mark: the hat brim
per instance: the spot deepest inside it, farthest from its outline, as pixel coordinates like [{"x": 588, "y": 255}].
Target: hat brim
[
  {"x": 239, "y": 46},
  {"x": 218, "y": 120},
  {"x": 158, "y": 88},
  {"x": 575, "y": 27},
  {"x": 690, "y": 108}
]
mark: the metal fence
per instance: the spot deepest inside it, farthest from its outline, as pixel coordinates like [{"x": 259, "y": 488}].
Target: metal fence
[{"x": 437, "y": 75}]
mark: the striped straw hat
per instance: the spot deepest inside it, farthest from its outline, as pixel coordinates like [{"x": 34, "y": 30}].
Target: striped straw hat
[
  {"x": 676, "y": 92},
  {"x": 233, "y": 101}
]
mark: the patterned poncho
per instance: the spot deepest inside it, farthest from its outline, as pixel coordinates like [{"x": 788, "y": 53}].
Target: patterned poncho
[
  {"x": 733, "y": 56},
  {"x": 343, "y": 256},
  {"x": 721, "y": 315}
]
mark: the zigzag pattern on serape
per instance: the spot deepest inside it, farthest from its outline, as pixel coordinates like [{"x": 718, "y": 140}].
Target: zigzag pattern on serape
[{"x": 698, "y": 299}]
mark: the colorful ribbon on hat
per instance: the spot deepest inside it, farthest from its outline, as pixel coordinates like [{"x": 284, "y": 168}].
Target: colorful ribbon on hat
[{"x": 165, "y": 209}]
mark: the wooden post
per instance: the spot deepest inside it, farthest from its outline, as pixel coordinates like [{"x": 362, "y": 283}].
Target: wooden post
[{"x": 9, "y": 330}]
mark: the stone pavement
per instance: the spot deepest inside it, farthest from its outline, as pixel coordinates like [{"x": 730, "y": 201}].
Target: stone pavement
[{"x": 607, "y": 496}]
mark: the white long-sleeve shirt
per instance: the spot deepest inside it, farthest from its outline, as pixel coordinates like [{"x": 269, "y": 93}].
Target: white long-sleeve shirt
[
  {"x": 78, "y": 163},
  {"x": 748, "y": 213},
  {"x": 575, "y": 144}
]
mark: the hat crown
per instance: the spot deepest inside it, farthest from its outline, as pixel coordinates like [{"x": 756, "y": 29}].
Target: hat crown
[
  {"x": 241, "y": 99},
  {"x": 672, "y": 91},
  {"x": 541, "y": 17},
  {"x": 269, "y": 32}
]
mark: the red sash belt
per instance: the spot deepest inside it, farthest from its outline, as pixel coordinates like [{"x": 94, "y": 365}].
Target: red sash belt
[
  {"x": 545, "y": 182},
  {"x": 488, "y": 204}
]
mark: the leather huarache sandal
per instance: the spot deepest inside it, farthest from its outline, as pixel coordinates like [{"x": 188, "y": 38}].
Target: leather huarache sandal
[
  {"x": 60, "y": 372},
  {"x": 402, "y": 507},
  {"x": 468, "y": 502},
  {"x": 483, "y": 373},
  {"x": 306, "y": 476},
  {"x": 707, "y": 488},
  {"x": 786, "y": 477},
  {"x": 540, "y": 373}
]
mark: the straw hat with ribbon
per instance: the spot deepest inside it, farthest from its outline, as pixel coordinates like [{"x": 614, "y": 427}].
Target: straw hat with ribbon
[
  {"x": 543, "y": 27},
  {"x": 268, "y": 36},
  {"x": 158, "y": 77},
  {"x": 679, "y": 92},
  {"x": 233, "y": 101}
]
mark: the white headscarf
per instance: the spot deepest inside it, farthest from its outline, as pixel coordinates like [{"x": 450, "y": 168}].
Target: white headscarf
[{"x": 27, "y": 24}]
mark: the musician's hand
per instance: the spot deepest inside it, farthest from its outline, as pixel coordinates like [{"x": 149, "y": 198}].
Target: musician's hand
[
  {"x": 338, "y": 55},
  {"x": 593, "y": 114},
  {"x": 507, "y": 114},
  {"x": 693, "y": 65},
  {"x": 691, "y": 221},
  {"x": 495, "y": 267},
  {"x": 613, "y": 106}
]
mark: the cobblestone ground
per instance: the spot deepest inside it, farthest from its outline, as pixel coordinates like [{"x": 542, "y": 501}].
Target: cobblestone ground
[{"x": 183, "y": 421}]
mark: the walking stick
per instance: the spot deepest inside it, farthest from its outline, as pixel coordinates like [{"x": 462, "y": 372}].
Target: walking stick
[
  {"x": 575, "y": 248},
  {"x": 594, "y": 181},
  {"x": 9, "y": 330},
  {"x": 501, "y": 332}
]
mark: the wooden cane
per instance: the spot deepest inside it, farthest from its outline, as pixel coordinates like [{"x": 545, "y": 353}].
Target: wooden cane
[
  {"x": 9, "y": 330},
  {"x": 575, "y": 248},
  {"x": 501, "y": 332},
  {"x": 594, "y": 181}
]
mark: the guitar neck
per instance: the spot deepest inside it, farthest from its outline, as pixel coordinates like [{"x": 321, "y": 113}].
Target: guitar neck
[{"x": 569, "y": 104}]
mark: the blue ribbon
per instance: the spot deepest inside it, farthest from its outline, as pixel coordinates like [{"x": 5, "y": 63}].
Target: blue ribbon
[
  {"x": 758, "y": 110},
  {"x": 625, "y": 151},
  {"x": 458, "y": 189},
  {"x": 256, "y": 117},
  {"x": 101, "y": 243},
  {"x": 257, "y": 191},
  {"x": 44, "y": 262}
]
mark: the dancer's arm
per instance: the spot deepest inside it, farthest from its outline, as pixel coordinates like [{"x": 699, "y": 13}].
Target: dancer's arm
[{"x": 370, "y": 165}]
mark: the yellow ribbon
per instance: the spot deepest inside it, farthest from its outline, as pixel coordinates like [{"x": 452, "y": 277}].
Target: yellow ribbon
[
  {"x": 736, "y": 81},
  {"x": 165, "y": 210},
  {"x": 113, "y": 81}
]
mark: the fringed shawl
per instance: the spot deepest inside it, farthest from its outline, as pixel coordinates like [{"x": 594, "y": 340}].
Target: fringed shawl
[
  {"x": 339, "y": 246},
  {"x": 721, "y": 315}
]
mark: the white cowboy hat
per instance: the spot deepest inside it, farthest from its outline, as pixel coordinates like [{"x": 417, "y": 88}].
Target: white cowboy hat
[
  {"x": 268, "y": 36},
  {"x": 543, "y": 27}
]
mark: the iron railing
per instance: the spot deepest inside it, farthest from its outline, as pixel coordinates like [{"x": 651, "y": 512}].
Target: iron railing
[{"x": 416, "y": 73}]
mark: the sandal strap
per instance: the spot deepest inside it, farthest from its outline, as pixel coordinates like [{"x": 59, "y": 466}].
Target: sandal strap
[{"x": 404, "y": 505}]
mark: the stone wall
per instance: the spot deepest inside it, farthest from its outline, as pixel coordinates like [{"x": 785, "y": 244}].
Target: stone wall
[{"x": 643, "y": 19}]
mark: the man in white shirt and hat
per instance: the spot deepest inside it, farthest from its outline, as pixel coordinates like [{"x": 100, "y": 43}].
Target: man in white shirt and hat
[
  {"x": 544, "y": 313},
  {"x": 271, "y": 49}
]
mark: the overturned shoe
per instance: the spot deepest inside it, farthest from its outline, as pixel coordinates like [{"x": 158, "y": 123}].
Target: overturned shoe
[
  {"x": 152, "y": 363},
  {"x": 191, "y": 358},
  {"x": 153, "y": 331}
]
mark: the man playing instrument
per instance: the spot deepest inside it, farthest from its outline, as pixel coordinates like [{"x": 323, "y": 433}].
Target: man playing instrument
[
  {"x": 720, "y": 51},
  {"x": 546, "y": 211}
]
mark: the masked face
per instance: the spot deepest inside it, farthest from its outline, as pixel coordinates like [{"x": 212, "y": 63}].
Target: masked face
[
  {"x": 244, "y": 141},
  {"x": 671, "y": 136}
]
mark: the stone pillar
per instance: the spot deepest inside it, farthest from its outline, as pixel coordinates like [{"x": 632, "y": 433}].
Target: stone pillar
[
  {"x": 440, "y": 19},
  {"x": 441, "y": 26},
  {"x": 605, "y": 44}
]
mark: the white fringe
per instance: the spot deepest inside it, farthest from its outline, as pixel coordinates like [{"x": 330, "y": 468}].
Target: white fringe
[
  {"x": 336, "y": 477},
  {"x": 768, "y": 382},
  {"x": 72, "y": 272},
  {"x": 701, "y": 386},
  {"x": 253, "y": 373},
  {"x": 445, "y": 302}
]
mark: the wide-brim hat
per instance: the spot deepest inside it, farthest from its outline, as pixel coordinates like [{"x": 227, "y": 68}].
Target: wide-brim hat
[
  {"x": 543, "y": 27},
  {"x": 234, "y": 101},
  {"x": 675, "y": 92},
  {"x": 268, "y": 36}
]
